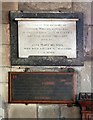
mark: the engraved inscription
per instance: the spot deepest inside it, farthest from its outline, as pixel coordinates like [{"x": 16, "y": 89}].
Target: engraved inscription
[{"x": 47, "y": 38}]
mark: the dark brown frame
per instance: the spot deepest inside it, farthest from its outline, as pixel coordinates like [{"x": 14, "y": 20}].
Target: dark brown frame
[{"x": 40, "y": 101}]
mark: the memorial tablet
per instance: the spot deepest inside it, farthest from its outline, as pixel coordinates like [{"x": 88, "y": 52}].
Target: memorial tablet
[
  {"x": 46, "y": 39},
  {"x": 42, "y": 87}
]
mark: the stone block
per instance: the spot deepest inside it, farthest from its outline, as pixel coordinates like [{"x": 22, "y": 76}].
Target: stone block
[
  {"x": 84, "y": 7},
  {"x": 88, "y": 42},
  {"x": 70, "y": 112},
  {"x": 5, "y": 34},
  {"x": 48, "y": 111},
  {"x": 1, "y": 113},
  {"x": 22, "y": 111},
  {"x": 5, "y": 17},
  {"x": 4, "y": 74},
  {"x": 92, "y": 12},
  {"x": 0, "y": 98},
  {"x": 92, "y": 39},
  {"x": 0, "y": 118},
  {"x": 0, "y": 55},
  {"x": 86, "y": 72},
  {"x": 0, "y": 34},
  {"x": 44, "y": 6},
  {"x": 5, "y": 55},
  {"x": 6, "y": 7},
  {"x": 4, "y": 92},
  {"x": 0, "y": 94},
  {"x": 92, "y": 43}
]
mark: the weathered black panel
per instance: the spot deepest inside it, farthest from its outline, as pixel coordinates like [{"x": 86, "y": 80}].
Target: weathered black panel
[
  {"x": 46, "y": 60},
  {"x": 41, "y": 87}
]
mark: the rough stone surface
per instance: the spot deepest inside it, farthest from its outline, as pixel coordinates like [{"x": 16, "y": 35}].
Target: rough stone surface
[
  {"x": 70, "y": 112},
  {"x": 44, "y": 6},
  {"x": 92, "y": 42},
  {"x": 4, "y": 91},
  {"x": 48, "y": 111},
  {"x": 0, "y": 93},
  {"x": 92, "y": 12},
  {"x": 22, "y": 111},
  {"x": 0, "y": 98},
  {"x": 6, "y": 7},
  {"x": 84, "y": 7},
  {"x": 5, "y": 107},
  {"x": 0, "y": 55},
  {"x": 0, "y": 34},
  {"x": 5, "y": 34},
  {"x": 1, "y": 113},
  {"x": 5, "y": 53},
  {"x": 88, "y": 42},
  {"x": 86, "y": 77},
  {"x": 4, "y": 74}
]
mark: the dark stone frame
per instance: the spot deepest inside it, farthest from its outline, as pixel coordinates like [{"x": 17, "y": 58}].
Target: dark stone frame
[{"x": 45, "y": 60}]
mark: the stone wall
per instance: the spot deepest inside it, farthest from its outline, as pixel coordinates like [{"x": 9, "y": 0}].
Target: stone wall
[{"x": 84, "y": 73}]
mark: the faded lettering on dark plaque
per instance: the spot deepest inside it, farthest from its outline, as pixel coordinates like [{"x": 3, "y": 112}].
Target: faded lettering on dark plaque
[
  {"x": 42, "y": 86},
  {"x": 47, "y": 38}
]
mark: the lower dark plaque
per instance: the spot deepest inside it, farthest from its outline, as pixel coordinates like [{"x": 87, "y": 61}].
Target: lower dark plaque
[{"x": 42, "y": 87}]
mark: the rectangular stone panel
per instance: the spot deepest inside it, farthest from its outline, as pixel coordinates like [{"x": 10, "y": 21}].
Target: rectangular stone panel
[
  {"x": 61, "y": 35},
  {"x": 47, "y": 37},
  {"x": 70, "y": 112},
  {"x": 44, "y": 6},
  {"x": 22, "y": 111},
  {"x": 48, "y": 111}
]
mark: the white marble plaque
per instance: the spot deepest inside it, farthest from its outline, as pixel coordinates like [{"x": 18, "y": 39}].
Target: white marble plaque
[{"x": 47, "y": 38}]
